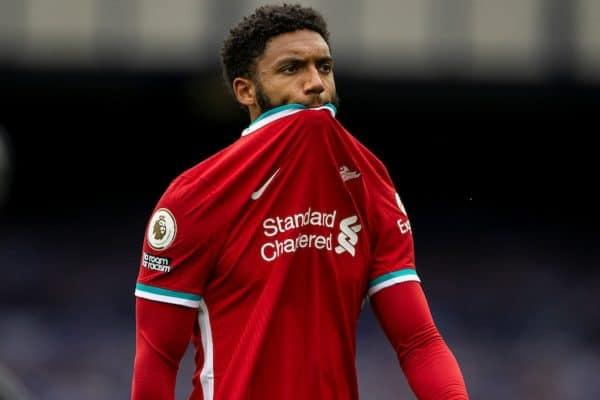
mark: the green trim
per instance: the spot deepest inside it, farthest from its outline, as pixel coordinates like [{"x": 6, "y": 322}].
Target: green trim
[
  {"x": 166, "y": 292},
  {"x": 391, "y": 275},
  {"x": 332, "y": 107},
  {"x": 292, "y": 106}
]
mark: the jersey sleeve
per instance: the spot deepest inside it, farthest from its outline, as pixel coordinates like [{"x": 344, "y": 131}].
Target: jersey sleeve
[
  {"x": 393, "y": 247},
  {"x": 177, "y": 255}
]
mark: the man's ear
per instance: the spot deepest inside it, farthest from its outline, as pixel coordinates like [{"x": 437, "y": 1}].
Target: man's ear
[{"x": 244, "y": 91}]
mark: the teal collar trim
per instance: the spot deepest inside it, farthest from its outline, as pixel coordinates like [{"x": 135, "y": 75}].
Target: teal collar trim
[
  {"x": 281, "y": 111},
  {"x": 291, "y": 106}
]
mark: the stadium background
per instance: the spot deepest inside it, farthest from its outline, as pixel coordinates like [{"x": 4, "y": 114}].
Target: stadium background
[{"x": 484, "y": 111}]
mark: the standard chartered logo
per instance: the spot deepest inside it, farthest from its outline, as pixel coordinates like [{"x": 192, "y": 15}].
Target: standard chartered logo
[
  {"x": 347, "y": 237},
  {"x": 320, "y": 225}
]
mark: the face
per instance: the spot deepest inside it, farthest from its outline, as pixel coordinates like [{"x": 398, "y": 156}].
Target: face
[{"x": 296, "y": 67}]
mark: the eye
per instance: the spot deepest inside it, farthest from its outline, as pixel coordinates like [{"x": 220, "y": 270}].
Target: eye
[
  {"x": 325, "y": 67},
  {"x": 289, "y": 69}
]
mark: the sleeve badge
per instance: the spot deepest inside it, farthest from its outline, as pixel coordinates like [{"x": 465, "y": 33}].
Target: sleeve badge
[{"x": 161, "y": 229}]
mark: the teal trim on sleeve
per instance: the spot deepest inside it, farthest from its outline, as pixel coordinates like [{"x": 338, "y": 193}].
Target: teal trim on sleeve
[
  {"x": 166, "y": 292},
  {"x": 391, "y": 275}
]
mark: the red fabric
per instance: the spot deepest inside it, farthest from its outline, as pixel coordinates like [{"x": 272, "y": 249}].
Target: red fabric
[
  {"x": 430, "y": 367},
  {"x": 281, "y": 279},
  {"x": 159, "y": 350}
]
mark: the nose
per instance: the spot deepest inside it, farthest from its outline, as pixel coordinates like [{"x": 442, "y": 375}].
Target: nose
[{"x": 314, "y": 81}]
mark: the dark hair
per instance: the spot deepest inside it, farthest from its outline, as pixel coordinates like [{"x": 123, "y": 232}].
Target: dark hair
[{"x": 248, "y": 39}]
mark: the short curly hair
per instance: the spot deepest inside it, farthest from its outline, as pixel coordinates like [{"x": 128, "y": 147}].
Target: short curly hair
[{"x": 248, "y": 39}]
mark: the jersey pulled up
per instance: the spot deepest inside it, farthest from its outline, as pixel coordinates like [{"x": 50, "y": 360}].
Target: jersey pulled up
[{"x": 277, "y": 240}]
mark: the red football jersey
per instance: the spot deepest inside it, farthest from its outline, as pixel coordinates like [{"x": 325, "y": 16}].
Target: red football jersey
[{"x": 277, "y": 240}]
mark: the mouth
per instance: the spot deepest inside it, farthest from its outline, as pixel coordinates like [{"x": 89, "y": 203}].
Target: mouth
[{"x": 314, "y": 103}]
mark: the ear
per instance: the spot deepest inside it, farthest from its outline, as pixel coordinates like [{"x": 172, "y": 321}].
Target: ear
[{"x": 244, "y": 91}]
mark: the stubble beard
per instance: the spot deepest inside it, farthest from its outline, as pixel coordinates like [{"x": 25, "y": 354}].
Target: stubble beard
[{"x": 265, "y": 103}]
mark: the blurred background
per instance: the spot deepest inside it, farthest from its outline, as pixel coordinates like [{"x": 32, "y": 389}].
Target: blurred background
[{"x": 484, "y": 112}]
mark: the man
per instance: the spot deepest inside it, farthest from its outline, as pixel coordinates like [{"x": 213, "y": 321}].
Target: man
[{"x": 264, "y": 253}]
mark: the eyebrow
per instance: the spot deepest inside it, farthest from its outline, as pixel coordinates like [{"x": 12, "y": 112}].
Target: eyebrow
[{"x": 301, "y": 60}]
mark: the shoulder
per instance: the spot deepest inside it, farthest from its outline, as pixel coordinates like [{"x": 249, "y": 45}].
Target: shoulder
[{"x": 187, "y": 187}]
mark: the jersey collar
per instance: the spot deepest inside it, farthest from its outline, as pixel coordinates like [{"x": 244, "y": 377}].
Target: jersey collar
[{"x": 283, "y": 111}]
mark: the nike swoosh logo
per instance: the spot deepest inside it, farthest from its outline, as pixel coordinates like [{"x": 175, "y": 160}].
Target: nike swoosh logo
[{"x": 260, "y": 191}]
